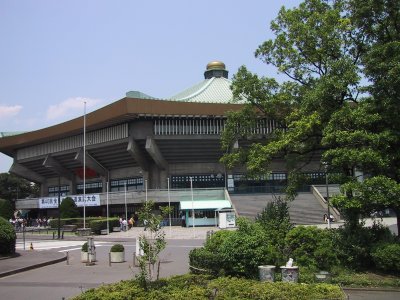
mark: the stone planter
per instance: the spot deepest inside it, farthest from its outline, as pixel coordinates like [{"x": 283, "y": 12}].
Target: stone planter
[
  {"x": 290, "y": 274},
  {"x": 84, "y": 257},
  {"x": 266, "y": 273},
  {"x": 117, "y": 257}
]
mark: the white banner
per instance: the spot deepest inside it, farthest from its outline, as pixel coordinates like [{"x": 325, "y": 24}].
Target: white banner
[{"x": 52, "y": 202}]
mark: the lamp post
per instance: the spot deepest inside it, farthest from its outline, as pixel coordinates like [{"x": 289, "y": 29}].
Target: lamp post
[
  {"x": 108, "y": 225},
  {"x": 327, "y": 195},
  {"x": 59, "y": 200},
  {"x": 84, "y": 165},
  {"x": 191, "y": 190},
  {"x": 126, "y": 208},
  {"x": 169, "y": 207}
]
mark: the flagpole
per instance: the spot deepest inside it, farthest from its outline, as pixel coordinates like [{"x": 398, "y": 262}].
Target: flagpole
[{"x": 84, "y": 165}]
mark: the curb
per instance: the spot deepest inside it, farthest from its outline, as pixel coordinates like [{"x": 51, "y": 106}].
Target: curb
[
  {"x": 371, "y": 289},
  {"x": 31, "y": 267}
]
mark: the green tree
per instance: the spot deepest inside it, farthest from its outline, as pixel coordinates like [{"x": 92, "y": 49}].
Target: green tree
[
  {"x": 13, "y": 187},
  {"x": 366, "y": 136},
  {"x": 6, "y": 210},
  {"x": 327, "y": 50},
  {"x": 68, "y": 209},
  {"x": 316, "y": 47},
  {"x": 151, "y": 244}
]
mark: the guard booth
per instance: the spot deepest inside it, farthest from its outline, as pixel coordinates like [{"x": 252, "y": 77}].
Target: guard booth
[{"x": 226, "y": 217}]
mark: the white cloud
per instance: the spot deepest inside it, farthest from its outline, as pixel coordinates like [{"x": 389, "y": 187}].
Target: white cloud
[
  {"x": 70, "y": 106},
  {"x": 9, "y": 111}
]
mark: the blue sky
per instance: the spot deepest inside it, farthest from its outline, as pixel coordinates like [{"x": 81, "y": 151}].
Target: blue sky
[{"x": 55, "y": 55}]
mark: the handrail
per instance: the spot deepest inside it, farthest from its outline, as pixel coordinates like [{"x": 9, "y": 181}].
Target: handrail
[{"x": 324, "y": 203}]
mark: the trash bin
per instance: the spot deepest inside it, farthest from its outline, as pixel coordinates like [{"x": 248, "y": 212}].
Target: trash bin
[{"x": 266, "y": 273}]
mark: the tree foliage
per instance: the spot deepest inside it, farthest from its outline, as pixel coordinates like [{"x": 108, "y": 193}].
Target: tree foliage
[
  {"x": 341, "y": 97},
  {"x": 150, "y": 244},
  {"x": 6, "y": 210},
  {"x": 68, "y": 209},
  {"x": 13, "y": 187}
]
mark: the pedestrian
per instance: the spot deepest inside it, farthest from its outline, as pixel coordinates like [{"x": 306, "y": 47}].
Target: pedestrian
[{"x": 183, "y": 219}]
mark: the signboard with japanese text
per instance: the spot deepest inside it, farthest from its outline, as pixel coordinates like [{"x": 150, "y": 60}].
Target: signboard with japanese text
[{"x": 52, "y": 202}]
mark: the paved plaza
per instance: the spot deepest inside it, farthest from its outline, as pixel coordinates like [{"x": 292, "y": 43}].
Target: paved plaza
[{"x": 45, "y": 272}]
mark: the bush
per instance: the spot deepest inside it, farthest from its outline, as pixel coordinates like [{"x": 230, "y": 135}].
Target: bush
[
  {"x": 197, "y": 287},
  {"x": 7, "y": 238},
  {"x": 6, "y": 209},
  {"x": 247, "y": 248},
  {"x": 85, "y": 247},
  {"x": 387, "y": 257},
  {"x": 205, "y": 262},
  {"x": 312, "y": 247},
  {"x": 354, "y": 245},
  {"x": 117, "y": 248},
  {"x": 275, "y": 220},
  {"x": 68, "y": 208},
  {"x": 98, "y": 224}
]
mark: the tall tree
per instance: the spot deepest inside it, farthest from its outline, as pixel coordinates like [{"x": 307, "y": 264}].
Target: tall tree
[
  {"x": 326, "y": 49},
  {"x": 367, "y": 136},
  {"x": 316, "y": 47},
  {"x": 13, "y": 187}
]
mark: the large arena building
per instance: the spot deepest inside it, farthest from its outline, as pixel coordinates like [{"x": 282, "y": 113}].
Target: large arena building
[{"x": 140, "y": 148}]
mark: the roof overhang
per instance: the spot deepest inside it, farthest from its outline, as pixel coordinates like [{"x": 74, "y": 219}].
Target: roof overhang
[
  {"x": 115, "y": 113},
  {"x": 205, "y": 204}
]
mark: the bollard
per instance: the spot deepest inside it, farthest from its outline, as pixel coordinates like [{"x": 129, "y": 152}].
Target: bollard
[
  {"x": 134, "y": 259},
  {"x": 67, "y": 258},
  {"x": 109, "y": 259},
  {"x": 54, "y": 235}
]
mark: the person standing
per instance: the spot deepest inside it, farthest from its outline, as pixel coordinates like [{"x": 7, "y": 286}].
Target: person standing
[{"x": 183, "y": 219}]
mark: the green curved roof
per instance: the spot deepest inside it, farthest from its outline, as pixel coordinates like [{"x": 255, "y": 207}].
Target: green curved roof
[{"x": 213, "y": 90}]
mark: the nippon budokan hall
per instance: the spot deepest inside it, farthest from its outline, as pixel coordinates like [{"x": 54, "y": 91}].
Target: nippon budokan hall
[{"x": 139, "y": 148}]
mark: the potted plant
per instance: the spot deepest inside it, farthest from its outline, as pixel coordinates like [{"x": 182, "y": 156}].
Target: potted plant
[
  {"x": 84, "y": 253},
  {"x": 117, "y": 253}
]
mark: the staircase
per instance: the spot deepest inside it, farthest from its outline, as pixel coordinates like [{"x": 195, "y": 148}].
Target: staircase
[{"x": 305, "y": 209}]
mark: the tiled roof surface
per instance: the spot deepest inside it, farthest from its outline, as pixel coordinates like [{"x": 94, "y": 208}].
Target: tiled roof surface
[{"x": 214, "y": 90}]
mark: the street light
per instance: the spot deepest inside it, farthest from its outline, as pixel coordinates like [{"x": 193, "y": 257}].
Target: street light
[
  {"x": 327, "y": 195},
  {"x": 169, "y": 207},
  {"x": 191, "y": 189}
]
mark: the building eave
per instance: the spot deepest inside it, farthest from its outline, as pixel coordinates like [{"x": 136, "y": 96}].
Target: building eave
[{"x": 117, "y": 112}]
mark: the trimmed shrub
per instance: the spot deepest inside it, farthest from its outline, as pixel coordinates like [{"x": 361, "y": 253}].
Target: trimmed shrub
[
  {"x": 6, "y": 209},
  {"x": 311, "y": 247},
  {"x": 247, "y": 248},
  {"x": 117, "y": 248},
  {"x": 7, "y": 238},
  {"x": 68, "y": 208},
  {"x": 205, "y": 262},
  {"x": 98, "y": 224},
  {"x": 387, "y": 257},
  {"x": 198, "y": 287}
]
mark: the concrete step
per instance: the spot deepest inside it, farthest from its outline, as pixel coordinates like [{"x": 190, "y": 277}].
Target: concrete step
[{"x": 305, "y": 209}]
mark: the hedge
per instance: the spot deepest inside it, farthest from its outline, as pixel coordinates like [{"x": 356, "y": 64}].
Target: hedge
[
  {"x": 7, "y": 238},
  {"x": 198, "y": 287},
  {"x": 95, "y": 223}
]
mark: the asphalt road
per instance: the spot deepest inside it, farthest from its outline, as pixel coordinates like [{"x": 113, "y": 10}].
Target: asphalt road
[{"x": 62, "y": 281}]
